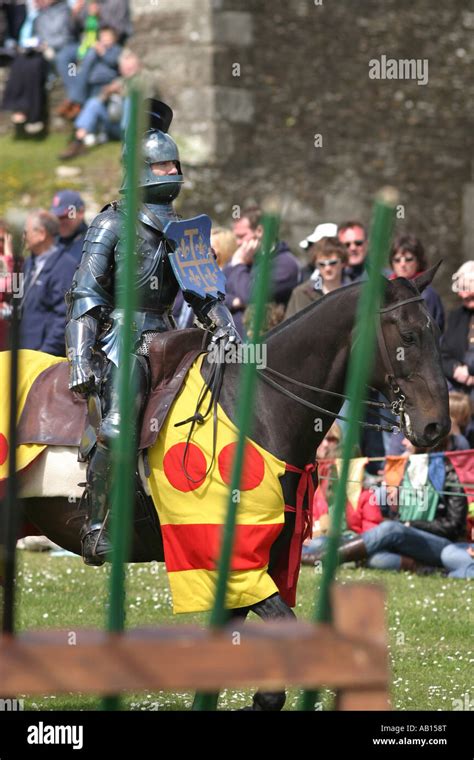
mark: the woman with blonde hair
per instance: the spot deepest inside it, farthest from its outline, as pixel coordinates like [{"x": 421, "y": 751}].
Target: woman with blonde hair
[{"x": 224, "y": 243}]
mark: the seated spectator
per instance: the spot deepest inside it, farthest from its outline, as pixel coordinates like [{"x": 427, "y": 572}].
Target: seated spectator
[
  {"x": 364, "y": 516},
  {"x": 457, "y": 343},
  {"x": 105, "y": 116},
  {"x": 424, "y": 526},
  {"x": 329, "y": 259},
  {"x": 393, "y": 546},
  {"x": 48, "y": 274},
  {"x": 240, "y": 271},
  {"x": 115, "y": 13},
  {"x": 407, "y": 259},
  {"x": 69, "y": 208},
  {"x": 327, "y": 229},
  {"x": 43, "y": 33},
  {"x": 90, "y": 32},
  {"x": 98, "y": 68},
  {"x": 330, "y": 446},
  {"x": 353, "y": 235},
  {"x": 14, "y": 12},
  {"x": 461, "y": 416},
  {"x": 274, "y": 313}
]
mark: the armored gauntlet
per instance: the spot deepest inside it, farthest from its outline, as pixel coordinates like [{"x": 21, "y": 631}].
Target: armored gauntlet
[
  {"x": 219, "y": 320},
  {"x": 80, "y": 339}
]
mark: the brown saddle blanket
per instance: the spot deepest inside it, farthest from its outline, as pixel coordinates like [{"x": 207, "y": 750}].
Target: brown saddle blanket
[{"x": 53, "y": 415}]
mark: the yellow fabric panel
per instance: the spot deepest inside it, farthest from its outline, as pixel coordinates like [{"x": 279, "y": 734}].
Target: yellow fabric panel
[
  {"x": 208, "y": 502},
  {"x": 261, "y": 504},
  {"x": 194, "y": 590},
  {"x": 30, "y": 365}
]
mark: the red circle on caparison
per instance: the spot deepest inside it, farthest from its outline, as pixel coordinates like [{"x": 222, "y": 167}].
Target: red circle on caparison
[
  {"x": 3, "y": 449},
  {"x": 253, "y": 469},
  {"x": 189, "y": 476}
]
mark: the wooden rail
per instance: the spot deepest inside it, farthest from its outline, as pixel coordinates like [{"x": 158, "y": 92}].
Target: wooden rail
[{"x": 350, "y": 656}]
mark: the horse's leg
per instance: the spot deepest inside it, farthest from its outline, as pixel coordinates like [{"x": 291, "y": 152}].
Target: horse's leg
[{"x": 273, "y": 608}]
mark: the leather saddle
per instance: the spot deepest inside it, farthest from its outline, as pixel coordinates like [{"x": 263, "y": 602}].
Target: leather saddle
[{"x": 56, "y": 417}]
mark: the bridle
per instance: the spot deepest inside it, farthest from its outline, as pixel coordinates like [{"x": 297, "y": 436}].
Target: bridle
[{"x": 396, "y": 406}]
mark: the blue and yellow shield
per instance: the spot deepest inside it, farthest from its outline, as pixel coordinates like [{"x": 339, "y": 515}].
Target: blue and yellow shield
[{"x": 192, "y": 260}]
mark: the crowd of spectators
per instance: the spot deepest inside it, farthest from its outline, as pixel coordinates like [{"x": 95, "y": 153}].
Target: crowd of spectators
[
  {"x": 410, "y": 527},
  {"x": 53, "y": 241},
  {"x": 77, "y": 43},
  {"x": 52, "y": 249},
  {"x": 335, "y": 258}
]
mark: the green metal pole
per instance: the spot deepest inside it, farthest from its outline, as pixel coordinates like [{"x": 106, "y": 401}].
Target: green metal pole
[
  {"x": 124, "y": 449},
  {"x": 219, "y": 613},
  {"x": 10, "y": 508},
  {"x": 360, "y": 365}
]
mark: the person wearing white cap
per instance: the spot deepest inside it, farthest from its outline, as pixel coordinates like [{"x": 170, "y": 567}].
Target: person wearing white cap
[
  {"x": 328, "y": 229},
  {"x": 329, "y": 257}
]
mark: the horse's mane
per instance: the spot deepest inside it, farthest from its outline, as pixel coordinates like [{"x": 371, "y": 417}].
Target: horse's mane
[
  {"x": 311, "y": 307},
  {"x": 338, "y": 293}
]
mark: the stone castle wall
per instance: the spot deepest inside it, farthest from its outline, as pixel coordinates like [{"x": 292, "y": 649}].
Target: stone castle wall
[{"x": 273, "y": 102}]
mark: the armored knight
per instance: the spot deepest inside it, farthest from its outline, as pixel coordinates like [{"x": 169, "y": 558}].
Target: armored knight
[{"x": 93, "y": 322}]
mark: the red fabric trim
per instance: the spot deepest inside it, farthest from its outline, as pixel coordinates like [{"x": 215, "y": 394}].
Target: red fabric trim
[
  {"x": 197, "y": 547},
  {"x": 287, "y": 571},
  {"x": 463, "y": 463}
]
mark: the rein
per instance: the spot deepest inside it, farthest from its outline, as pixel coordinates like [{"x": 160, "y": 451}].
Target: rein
[
  {"x": 214, "y": 384},
  {"x": 396, "y": 406}
]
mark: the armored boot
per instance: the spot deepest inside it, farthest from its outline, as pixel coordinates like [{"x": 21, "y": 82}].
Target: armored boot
[{"x": 95, "y": 544}]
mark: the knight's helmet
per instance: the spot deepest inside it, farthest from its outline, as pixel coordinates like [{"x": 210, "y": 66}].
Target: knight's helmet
[{"x": 158, "y": 146}]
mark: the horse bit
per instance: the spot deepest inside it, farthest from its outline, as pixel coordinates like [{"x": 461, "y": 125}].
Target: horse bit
[{"x": 396, "y": 406}]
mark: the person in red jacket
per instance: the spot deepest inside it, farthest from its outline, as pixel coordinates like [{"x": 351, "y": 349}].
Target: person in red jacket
[{"x": 365, "y": 516}]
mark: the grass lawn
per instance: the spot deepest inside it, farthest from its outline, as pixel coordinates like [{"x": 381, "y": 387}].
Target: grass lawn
[
  {"x": 29, "y": 178},
  {"x": 429, "y": 618}
]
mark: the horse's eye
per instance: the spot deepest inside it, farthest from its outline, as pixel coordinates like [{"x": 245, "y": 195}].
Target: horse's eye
[{"x": 408, "y": 338}]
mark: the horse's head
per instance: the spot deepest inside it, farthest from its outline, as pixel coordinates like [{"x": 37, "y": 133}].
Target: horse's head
[{"x": 408, "y": 367}]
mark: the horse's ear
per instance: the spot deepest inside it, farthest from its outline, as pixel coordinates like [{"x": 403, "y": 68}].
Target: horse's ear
[
  {"x": 390, "y": 293},
  {"x": 425, "y": 279}
]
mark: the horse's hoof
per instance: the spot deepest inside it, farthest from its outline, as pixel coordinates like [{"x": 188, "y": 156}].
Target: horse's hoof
[{"x": 268, "y": 701}]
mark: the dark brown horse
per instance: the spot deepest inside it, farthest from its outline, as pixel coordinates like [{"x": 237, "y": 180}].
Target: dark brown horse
[{"x": 313, "y": 348}]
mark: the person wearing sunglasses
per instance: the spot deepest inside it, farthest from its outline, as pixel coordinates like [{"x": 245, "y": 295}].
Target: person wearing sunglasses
[
  {"x": 329, "y": 260},
  {"x": 408, "y": 259},
  {"x": 353, "y": 236}
]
